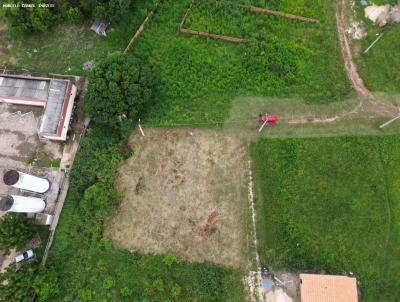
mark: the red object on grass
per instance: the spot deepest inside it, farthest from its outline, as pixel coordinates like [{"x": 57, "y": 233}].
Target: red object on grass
[{"x": 269, "y": 118}]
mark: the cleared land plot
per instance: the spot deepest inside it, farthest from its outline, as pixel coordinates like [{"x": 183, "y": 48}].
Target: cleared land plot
[
  {"x": 332, "y": 205},
  {"x": 184, "y": 191}
]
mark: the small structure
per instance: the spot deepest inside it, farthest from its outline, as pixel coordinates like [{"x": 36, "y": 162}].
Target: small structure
[
  {"x": 379, "y": 14},
  {"x": 21, "y": 204},
  {"x": 328, "y": 288},
  {"x": 56, "y": 96},
  {"x": 100, "y": 27},
  {"x": 26, "y": 182}
]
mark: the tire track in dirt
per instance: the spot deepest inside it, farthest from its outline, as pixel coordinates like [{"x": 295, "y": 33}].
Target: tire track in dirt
[{"x": 367, "y": 101}]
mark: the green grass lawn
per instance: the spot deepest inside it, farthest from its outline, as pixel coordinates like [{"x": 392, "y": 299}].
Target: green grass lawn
[
  {"x": 332, "y": 205},
  {"x": 380, "y": 67}
]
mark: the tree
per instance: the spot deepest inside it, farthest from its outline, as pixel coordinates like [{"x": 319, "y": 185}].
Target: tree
[
  {"x": 120, "y": 90},
  {"x": 17, "y": 285},
  {"x": 25, "y": 19},
  {"x": 39, "y": 18},
  {"x": 15, "y": 230},
  {"x": 46, "y": 284}
]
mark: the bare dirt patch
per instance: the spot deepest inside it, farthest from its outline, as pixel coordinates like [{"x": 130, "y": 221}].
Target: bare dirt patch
[{"x": 184, "y": 191}]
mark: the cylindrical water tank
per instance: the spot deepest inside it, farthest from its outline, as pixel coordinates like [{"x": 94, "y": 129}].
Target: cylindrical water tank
[
  {"x": 21, "y": 204},
  {"x": 26, "y": 182}
]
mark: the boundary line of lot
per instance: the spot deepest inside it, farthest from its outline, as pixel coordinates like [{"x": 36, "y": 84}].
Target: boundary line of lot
[{"x": 250, "y": 8}]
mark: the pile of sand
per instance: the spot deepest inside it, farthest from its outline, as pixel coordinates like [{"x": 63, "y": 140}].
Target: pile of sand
[{"x": 381, "y": 14}]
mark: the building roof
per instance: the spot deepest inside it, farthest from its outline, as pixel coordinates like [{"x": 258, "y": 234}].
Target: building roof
[
  {"x": 55, "y": 95},
  {"x": 99, "y": 27},
  {"x": 54, "y": 106},
  {"x": 23, "y": 88},
  {"x": 328, "y": 288}
]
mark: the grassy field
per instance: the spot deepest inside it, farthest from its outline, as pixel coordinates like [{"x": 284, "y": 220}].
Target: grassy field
[
  {"x": 200, "y": 77},
  {"x": 380, "y": 67},
  {"x": 332, "y": 205}
]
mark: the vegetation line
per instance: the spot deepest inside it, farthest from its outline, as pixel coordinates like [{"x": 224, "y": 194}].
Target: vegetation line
[
  {"x": 255, "y": 9},
  {"x": 255, "y": 288},
  {"x": 214, "y": 36},
  {"x": 387, "y": 199},
  {"x": 187, "y": 12},
  {"x": 141, "y": 28}
]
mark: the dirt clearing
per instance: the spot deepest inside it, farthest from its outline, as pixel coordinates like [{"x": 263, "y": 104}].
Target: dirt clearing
[{"x": 184, "y": 191}]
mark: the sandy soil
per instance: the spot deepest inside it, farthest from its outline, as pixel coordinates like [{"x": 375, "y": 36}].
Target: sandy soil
[{"x": 184, "y": 191}]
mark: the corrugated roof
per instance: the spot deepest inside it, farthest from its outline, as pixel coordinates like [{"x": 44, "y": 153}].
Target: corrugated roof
[
  {"x": 23, "y": 87},
  {"x": 328, "y": 288},
  {"x": 55, "y": 101}
]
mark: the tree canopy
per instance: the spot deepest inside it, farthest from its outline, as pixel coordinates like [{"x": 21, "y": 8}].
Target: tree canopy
[
  {"x": 40, "y": 18},
  {"x": 15, "y": 230},
  {"x": 120, "y": 90}
]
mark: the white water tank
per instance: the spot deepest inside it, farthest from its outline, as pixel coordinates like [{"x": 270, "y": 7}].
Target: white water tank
[
  {"x": 21, "y": 204},
  {"x": 26, "y": 182}
]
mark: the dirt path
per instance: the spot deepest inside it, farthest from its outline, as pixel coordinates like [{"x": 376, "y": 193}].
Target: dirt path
[
  {"x": 367, "y": 100},
  {"x": 351, "y": 68}
]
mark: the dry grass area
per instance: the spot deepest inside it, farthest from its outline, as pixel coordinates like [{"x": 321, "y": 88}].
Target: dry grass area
[{"x": 184, "y": 191}]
